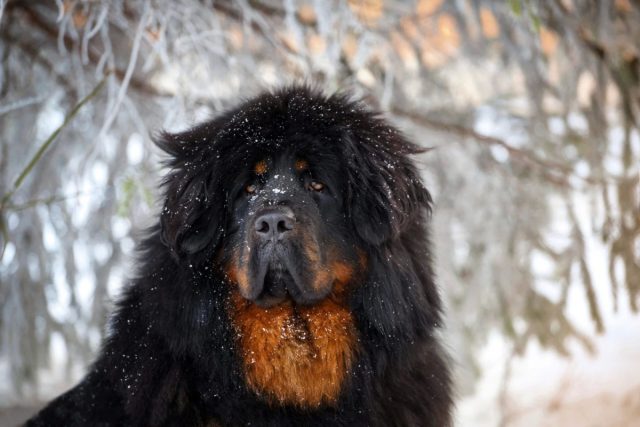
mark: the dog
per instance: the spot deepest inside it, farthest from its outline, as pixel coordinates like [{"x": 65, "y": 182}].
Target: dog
[{"x": 287, "y": 283}]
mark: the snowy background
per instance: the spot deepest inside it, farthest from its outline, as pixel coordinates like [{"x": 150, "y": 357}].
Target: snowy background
[{"x": 531, "y": 110}]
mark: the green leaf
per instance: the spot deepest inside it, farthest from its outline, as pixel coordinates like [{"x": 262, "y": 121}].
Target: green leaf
[
  {"x": 516, "y": 7},
  {"x": 535, "y": 19},
  {"x": 128, "y": 191}
]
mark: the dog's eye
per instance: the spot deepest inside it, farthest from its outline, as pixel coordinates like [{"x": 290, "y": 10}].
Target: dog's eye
[
  {"x": 250, "y": 189},
  {"x": 316, "y": 186}
]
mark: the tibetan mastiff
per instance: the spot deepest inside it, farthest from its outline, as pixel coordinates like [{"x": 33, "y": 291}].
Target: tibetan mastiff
[{"x": 288, "y": 282}]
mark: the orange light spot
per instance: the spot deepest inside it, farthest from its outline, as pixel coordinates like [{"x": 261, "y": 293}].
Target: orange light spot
[
  {"x": 301, "y": 165},
  {"x": 489, "y": 23},
  {"x": 261, "y": 167},
  {"x": 548, "y": 41},
  {"x": 367, "y": 11},
  {"x": 428, "y": 7}
]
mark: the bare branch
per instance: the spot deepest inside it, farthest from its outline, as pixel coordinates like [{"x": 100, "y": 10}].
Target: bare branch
[{"x": 38, "y": 154}]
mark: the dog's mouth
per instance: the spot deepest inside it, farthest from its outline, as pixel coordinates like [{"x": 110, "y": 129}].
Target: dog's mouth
[
  {"x": 279, "y": 273},
  {"x": 277, "y": 286}
]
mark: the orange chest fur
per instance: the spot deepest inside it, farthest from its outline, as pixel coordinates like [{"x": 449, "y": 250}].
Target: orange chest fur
[{"x": 295, "y": 355}]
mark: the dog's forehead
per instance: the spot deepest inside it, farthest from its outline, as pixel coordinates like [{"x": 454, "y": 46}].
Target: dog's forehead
[
  {"x": 280, "y": 164},
  {"x": 302, "y": 157}
]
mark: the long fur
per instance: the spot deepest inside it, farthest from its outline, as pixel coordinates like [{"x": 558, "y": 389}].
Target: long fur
[{"x": 170, "y": 357}]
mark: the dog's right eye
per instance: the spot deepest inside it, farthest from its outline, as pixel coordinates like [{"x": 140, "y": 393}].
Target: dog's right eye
[
  {"x": 316, "y": 186},
  {"x": 250, "y": 189}
]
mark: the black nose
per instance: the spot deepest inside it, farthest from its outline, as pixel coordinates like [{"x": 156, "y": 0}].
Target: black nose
[{"x": 275, "y": 225}]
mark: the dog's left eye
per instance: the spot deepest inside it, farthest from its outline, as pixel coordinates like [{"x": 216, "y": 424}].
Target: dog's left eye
[{"x": 316, "y": 186}]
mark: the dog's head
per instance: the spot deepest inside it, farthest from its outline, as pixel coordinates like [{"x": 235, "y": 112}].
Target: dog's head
[
  {"x": 289, "y": 237},
  {"x": 289, "y": 192},
  {"x": 310, "y": 209}
]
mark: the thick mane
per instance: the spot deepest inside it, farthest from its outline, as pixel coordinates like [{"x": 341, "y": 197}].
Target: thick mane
[
  {"x": 172, "y": 356},
  {"x": 388, "y": 204}
]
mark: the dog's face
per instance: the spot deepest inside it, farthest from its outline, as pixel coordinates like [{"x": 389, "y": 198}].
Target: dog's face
[
  {"x": 299, "y": 202},
  {"x": 288, "y": 237},
  {"x": 290, "y": 258}
]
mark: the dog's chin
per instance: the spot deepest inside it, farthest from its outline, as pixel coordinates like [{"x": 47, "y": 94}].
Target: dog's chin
[
  {"x": 275, "y": 288},
  {"x": 270, "y": 301},
  {"x": 279, "y": 286}
]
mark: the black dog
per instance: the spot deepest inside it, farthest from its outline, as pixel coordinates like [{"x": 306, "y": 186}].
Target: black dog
[{"x": 288, "y": 283}]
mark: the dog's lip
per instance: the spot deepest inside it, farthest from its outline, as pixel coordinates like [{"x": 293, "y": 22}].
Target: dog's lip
[
  {"x": 277, "y": 266},
  {"x": 274, "y": 261},
  {"x": 269, "y": 263},
  {"x": 273, "y": 294},
  {"x": 268, "y": 301}
]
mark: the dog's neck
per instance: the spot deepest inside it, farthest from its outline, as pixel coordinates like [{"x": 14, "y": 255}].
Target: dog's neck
[{"x": 295, "y": 355}]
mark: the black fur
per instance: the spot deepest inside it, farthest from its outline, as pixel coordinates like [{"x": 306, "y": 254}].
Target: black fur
[{"x": 169, "y": 358}]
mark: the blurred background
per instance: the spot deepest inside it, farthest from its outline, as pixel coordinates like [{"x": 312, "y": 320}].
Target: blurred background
[{"x": 531, "y": 109}]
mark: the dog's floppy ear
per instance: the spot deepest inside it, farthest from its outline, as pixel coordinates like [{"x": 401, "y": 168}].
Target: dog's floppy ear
[
  {"x": 385, "y": 191},
  {"x": 193, "y": 213}
]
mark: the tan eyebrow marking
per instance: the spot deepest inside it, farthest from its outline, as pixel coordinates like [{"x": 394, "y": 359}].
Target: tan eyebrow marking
[
  {"x": 261, "y": 167},
  {"x": 301, "y": 165}
]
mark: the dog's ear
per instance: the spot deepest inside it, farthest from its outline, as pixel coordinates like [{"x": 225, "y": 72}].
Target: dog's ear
[
  {"x": 385, "y": 190},
  {"x": 193, "y": 213}
]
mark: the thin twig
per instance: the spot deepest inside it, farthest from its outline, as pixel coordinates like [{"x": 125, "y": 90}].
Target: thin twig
[
  {"x": 21, "y": 103},
  {"x": 94, "y": 54},
  {"x": 46, "y": 201},
  {"x": 31, "y": 48},
  {"x": 503, "y": 398},
  {"x": 561, "y": 171},
  {"x": 38, "y": 155},
  {"x": 133, "y": 59},
  {"x": 4, "y": 233}
]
